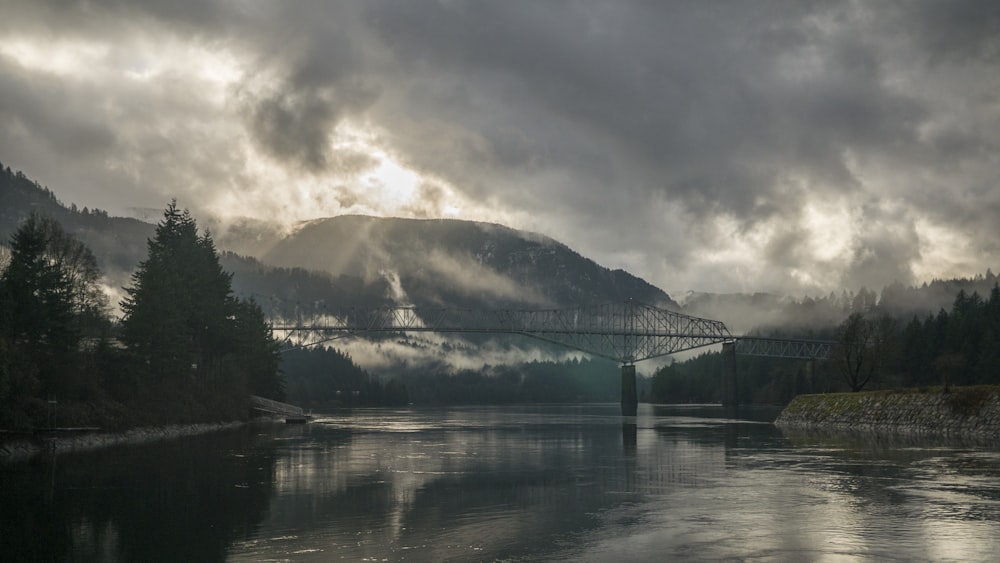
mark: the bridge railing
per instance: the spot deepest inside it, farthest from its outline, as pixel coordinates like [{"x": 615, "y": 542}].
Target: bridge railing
[
  {"x": 626, "y": 332},
  {"x": 784, "y": 348}
]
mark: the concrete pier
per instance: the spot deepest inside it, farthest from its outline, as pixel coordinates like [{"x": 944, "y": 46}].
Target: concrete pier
[
  {"x": 630, "y": 398},
  {"x": 729, "y": 395}
]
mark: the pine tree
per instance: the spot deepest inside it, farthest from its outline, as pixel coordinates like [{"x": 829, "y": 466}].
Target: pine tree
[
  {"x": 261, "y": 358},
  {"x": 47, "y": 287},
  {"x": 182, "y": 321},
  {"x": 158, "y": 324}
]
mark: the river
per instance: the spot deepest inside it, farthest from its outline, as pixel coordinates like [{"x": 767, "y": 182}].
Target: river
[{"x": 519, "y": 483}]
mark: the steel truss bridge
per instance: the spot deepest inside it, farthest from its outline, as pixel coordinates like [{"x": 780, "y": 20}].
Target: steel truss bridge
[{"x": 626, "y": 332}]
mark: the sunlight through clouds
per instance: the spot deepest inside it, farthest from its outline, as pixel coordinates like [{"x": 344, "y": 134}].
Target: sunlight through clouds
[
  {"x": 801, "y": 149},
  {"x": 943, "y": 252},
  {"x": 377, "y": 184},
  {"x": 66, "y": 58}
]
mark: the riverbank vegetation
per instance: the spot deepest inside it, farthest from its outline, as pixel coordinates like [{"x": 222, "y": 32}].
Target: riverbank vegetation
[
  {"x": 323, "y": 378},
  {"x": 877, "y": 347},
  {"x": 186, "y": 350}
]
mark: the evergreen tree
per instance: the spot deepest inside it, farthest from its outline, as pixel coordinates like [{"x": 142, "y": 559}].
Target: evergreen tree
[
  {"x": 158, "y": 322},
  {"x": 182, "y": 321},
  {"x": 261, "y": 357},
  {"x": 49, "y": 284},
  {"x": 79, "y": 266}
]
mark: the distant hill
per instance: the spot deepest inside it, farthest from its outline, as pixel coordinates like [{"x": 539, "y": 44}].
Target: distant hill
[
  {"x": 354, "y": 260},
  {"x": 368, "y": 261},
  {"x": 459, "y": 263},
  {"x": 117, "y": 242},
  {"x": 743, "y": 312}
]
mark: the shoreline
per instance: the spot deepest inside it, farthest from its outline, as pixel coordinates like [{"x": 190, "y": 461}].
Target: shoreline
[
  {"x": 957, "y": 412},
  {"x": 25, "y": 449}
]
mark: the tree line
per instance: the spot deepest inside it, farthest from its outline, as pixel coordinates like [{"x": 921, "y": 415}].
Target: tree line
[
  {"x": 325, "y": 378},
  {"x": 185, "y": 349},
  {"x": 956, "y": 347},
  {"x": 875, "y": 348}
]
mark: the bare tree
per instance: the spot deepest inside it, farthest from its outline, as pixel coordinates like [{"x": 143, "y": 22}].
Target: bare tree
[
  {"x": 79, "y": 266},
  {"x": 852, "y": 357},
  {"x": 865, "y": 348}
]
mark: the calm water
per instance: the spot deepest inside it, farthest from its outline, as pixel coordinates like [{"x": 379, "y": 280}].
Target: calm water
[{"x": 535, "y": 483}]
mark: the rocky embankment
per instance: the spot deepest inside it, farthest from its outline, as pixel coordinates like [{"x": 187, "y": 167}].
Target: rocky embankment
[
  {"x": 960, "y": 411},
  {"x": 26, "y": 448}
]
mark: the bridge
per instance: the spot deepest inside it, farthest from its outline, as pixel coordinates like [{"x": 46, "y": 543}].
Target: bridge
[{"x": 627, "y": 333}]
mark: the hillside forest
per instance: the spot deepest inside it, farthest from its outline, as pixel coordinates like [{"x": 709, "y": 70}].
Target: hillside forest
[{"x": 193, "y": 340}]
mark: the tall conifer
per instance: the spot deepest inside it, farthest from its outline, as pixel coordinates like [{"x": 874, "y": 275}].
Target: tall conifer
[{"x": 181, "y": 319}]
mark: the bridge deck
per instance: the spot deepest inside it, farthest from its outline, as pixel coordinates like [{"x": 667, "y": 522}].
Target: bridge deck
[{"x": 625, "y": 332}]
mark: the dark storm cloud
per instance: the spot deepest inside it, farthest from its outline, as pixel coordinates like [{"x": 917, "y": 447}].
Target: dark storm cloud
[
  {"x": 884, "y": 250},
  {"x": 717, "y": 108},
  {"x": 314, "y": 72},
  {"x": 692, "y": 94},
  {"x": 42, "y": 108},
  {"x": 696, "y": 124},
  {"x": 294, "y": 125},
  {"x": 953, "y": 31}
]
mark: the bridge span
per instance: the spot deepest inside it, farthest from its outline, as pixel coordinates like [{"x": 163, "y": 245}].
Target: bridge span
[{"x": 627, "y": 333}]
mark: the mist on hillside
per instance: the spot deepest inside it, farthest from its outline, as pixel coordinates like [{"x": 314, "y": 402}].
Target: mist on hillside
[{"x": 312, "y": 268}]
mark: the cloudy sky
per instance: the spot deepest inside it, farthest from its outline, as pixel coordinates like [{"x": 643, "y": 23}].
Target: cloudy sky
[{"x": 720, "y": 146}]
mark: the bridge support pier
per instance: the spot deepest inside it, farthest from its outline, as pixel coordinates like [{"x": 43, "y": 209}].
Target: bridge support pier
[
  {"x": 630, "y": 398},
  {"x": 729, "y": 395}
]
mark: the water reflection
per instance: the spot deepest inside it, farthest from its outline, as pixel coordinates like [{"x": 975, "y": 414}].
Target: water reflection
[
  {"x": 629, "y": 438},
  {"x": 542, "y": 483},
  {"x": 172, "y": 501},
  {"x": 445, "y": 485}
]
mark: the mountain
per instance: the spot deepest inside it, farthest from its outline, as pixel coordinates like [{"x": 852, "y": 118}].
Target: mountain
[
  {"x": 118, "y": 243},
  {"x": 354, "y": 260},
  {"x": 446, "y": 262},
  {"x": 368, "y": 261}
]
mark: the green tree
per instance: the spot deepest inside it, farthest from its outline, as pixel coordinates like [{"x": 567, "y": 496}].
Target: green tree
[
  {"x": 47, "y": 289},
  {"x": 37, "y": 293},
  {"x": 261, "y": 357},
  {"x": 181, "y": 320},
  {"x": 154, "y": 324},
  {"x": 79, "y": 267},
  {"x": 179, "y": 309}
]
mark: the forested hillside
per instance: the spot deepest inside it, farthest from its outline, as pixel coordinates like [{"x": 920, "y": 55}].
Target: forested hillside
[
  {"x": 446, "y": 262},
  {"x": 744, "y": 313},
  {"x": 61, "y": 338},
  {"x": 354, "y": 260},
  {"x": 117, "y": 243}
]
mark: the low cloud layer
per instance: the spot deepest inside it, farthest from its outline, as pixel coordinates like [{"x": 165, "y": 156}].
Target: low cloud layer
[{"x": 777, "y": 146}]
